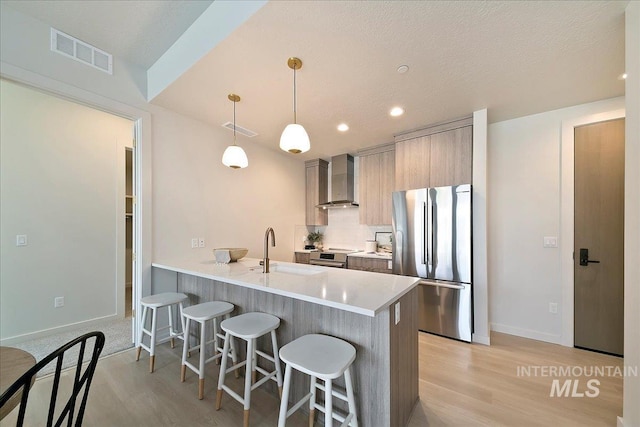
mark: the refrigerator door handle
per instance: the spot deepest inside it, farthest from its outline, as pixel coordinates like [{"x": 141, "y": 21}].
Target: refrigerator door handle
[
  {"x": 399, "y": 251},
  {"x": 424, "y": 256},
  {"x": 441, "y": 285}
]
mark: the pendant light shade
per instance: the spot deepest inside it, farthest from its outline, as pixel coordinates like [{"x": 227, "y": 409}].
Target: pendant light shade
[
  {"x": 234, "y": 156},
  {"x": 294, "y": 138}
]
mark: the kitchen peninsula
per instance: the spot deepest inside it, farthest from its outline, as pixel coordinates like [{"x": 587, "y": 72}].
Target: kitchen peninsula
[{"x": 377, "y": 313}]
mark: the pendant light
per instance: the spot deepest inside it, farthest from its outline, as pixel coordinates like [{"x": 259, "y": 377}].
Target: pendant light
[
  {"x": 294, "y": 138},
  {"x": 234, "y": 156}
]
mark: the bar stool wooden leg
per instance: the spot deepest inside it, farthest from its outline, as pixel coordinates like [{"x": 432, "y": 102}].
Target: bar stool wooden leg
[
  {"x": 173, "y": 343},
  {"x": 185, "y": 351},
  {"x": 284, "y": 399},
  {"x": 152, "y": 353},
  {"x": 141, "y": 334},
  {"x": 203, "y": 354},
  {"x": 247, "y": 380},
  {"x": 350, "y": 397},
  {"x": 328, "y": 403},
  {"x": 223, "y": 369},
  {"x": 234, "y": 357},
  {"x": 274, "y": 344},
  {"x": 312, "y": 400}
]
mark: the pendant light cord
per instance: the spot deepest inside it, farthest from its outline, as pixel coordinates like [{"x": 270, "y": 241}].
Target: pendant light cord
[
  {"x": 234, "y": 122},
  {"x": 295, "y": 119}
]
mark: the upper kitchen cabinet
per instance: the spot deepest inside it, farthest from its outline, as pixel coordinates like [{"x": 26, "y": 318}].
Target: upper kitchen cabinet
[
  {"x": 413, "y": 163},
  {"x": 451, "y": 157},
  {"x": 317, "y": 182},
  {"x": 435, "y": 156},
  {"x": 376, "y": 183}
]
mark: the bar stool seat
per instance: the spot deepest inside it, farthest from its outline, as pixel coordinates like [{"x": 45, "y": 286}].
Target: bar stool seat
[
  {"x": 153, "y": 303},
  {"x": 326, "y": 358},
  {"x": 201, "y": 313},
  {"x": 249, "y": 327}
]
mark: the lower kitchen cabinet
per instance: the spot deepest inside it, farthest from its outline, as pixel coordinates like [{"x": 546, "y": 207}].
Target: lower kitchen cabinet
[
  {"x": 302, "y": 257},
  {"x": 377, "y": 265}
]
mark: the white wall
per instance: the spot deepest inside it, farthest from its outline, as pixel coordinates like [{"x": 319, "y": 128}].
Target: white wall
[
  {"x": 631, "y": 409},
  {"x": 62, "y": 184},
  {"x": 195, "y": 195},
  {"x": 524, "y": 179}
]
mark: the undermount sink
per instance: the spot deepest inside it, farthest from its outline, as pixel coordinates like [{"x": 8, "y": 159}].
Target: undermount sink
[{"x": 287, "y": 269}]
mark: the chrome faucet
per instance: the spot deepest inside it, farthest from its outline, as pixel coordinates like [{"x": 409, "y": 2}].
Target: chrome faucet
[{"x": 265, "y": 260}]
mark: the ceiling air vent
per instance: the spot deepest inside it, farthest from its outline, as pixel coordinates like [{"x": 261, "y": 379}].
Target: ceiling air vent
[
  {"x": 76, "y": 49},
  {"x": 240, "y": 130}
]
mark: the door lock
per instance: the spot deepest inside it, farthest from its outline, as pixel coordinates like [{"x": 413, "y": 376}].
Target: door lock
[{"x": 584, "y": 257}]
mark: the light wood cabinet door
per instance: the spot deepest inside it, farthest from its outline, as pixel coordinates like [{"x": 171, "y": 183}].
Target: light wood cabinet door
[
  {"x": 450, "y": 162},
  {"x": 368, "y": 264},
  {"x": 317, "y": 181},
  {"x": 302, "y": 257},
  {"x": 376, "y": 183},
  {"x": 412, "y": 160}
]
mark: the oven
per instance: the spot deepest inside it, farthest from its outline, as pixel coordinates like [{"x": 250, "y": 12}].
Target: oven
[{"x": 329, "y": 258}]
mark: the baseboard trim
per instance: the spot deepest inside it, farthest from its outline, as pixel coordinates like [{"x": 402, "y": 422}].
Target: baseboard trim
[
  {"x": 527, "y": 333},
  {"x": 480, "y": 339},
  {"x": 57, "y": 330}
]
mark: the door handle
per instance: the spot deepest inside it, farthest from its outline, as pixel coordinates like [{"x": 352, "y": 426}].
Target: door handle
[{"x": 584, "y": 257}]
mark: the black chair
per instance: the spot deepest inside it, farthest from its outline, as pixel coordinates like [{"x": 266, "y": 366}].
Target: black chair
[{"x": 82, "y": 379}]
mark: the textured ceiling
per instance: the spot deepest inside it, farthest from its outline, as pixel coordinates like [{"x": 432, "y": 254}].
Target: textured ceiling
[
  {"x": 138, "y": 31},
  {"x": 513, "y": 57}
]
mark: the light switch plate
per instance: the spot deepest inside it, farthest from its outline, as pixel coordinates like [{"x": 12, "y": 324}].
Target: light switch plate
[
  {"x": 194, "y": 242},
  {"x": 21, "y": 240},
  {"x": 550, "y": 242},
  {"x": 201, "y": 242},
  {"x": 553, "y": 307}
]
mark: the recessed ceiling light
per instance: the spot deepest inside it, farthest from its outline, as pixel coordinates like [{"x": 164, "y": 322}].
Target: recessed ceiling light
[
  {"x": 396, "y": 111},
  {"x": 343, "y": 127},
  {"x": 622, "y": 76},
  {"x": 403, "y": 69}
]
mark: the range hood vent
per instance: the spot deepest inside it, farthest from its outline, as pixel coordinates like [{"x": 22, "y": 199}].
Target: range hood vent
[{"x": 342, "y": 183}]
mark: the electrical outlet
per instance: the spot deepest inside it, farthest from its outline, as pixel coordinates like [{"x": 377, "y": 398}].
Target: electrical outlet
[
  {"x": 58, "y": 302},
  {"x": 397, "y": 312},
  {"x": 201, "y": 242},
  {"x": 553, "y": 307},
  {"x": 194, "y": 242},
  {"x": 21, "y": 240}
]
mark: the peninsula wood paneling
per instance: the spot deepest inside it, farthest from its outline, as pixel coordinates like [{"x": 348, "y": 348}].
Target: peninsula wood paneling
[{"x": 379, "y": 368}]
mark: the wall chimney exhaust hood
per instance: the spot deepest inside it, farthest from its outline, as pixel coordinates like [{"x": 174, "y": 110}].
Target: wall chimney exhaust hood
[{"x": 342, "y": 183}]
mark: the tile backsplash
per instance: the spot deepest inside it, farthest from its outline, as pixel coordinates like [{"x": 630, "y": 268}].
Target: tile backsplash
[{"x": 344, "y": 231}]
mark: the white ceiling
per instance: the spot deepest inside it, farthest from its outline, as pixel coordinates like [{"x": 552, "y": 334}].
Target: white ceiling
[
  {"x": 138, "y": 31},
  {"x": 513, "y": 57}
]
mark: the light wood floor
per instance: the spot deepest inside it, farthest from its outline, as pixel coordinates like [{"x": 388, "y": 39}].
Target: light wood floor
[{"x": 460, "y": 385}]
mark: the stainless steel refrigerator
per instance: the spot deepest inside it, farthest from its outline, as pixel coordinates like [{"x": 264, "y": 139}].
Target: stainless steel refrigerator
[{"x": 432, "y": 240}]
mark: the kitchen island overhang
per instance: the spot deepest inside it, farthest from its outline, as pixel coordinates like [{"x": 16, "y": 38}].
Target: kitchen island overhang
[{"x": 357, "y": 306}]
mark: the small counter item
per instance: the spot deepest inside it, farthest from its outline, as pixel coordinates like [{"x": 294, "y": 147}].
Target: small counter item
[{"x": 370, "y": 246}]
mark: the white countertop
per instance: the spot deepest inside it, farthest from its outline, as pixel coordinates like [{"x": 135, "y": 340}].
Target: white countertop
[
  {"x": 360, "y": 292},
  {"x": 376, "y": 255}
]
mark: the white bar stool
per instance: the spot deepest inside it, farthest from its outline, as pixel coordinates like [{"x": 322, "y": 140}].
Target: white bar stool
[
  {"x": 248, "y": 327},
  {"x": 154, "y": 302},
  {"x": 201, "y": 313},
  {"x": 326, "y": 358}
]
